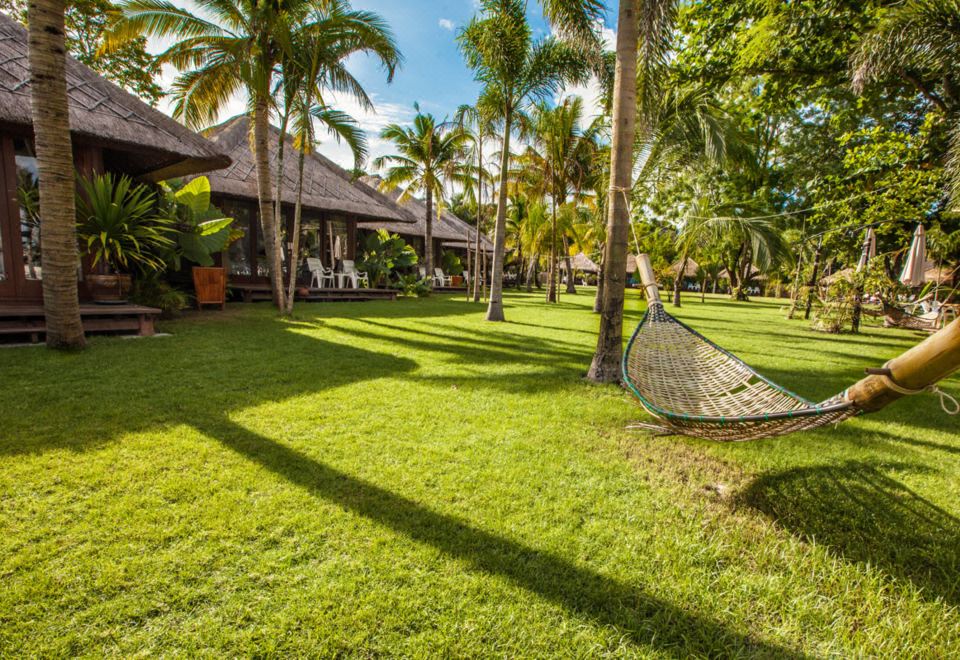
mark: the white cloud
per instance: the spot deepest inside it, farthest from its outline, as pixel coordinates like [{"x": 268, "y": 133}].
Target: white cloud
[
  {"x": 591, "y": 93},
  {"x": 446, "y": 24}
]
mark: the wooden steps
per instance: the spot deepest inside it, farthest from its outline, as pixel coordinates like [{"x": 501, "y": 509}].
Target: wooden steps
[{"x": 125, "y": 318}]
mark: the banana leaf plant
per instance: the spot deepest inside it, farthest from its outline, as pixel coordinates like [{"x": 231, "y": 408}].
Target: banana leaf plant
[
  {"x": 384, "y": 254},
  {"x": 201, "y": 228}
]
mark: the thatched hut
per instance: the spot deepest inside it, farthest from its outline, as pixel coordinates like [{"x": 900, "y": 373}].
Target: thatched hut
[
  {"x": 449, "y": 231},
  {"x": 112, "y": 131},
  {"x": 333, "y": 205}
]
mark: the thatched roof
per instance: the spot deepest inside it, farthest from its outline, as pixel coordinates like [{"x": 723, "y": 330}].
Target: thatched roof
[
  {"x": 326, "y": 185},
  {"x": 690, "y": 270},
  {"x": 149, "y": 142},
  {"x": 447, "y": 227},
  {"x": 581, "y": 262}
]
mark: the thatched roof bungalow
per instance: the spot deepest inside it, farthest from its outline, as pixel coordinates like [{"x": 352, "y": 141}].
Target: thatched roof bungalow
[
  {"x": 333, "y": 203},
  {"x": 111, "y": 129},
  {"x": 449, "y": 231}
]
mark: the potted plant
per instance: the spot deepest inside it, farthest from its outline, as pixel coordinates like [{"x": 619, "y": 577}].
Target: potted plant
[
  {"x": 201, "y": 231},
  {"x": 119, "y": 229}
]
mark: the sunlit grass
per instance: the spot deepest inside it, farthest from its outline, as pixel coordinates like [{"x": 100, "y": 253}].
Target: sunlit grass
[{"x": 404, "y": 478}]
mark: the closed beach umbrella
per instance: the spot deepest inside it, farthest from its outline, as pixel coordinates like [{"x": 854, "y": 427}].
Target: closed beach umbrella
[
  {"x": 869, "y": 249},
  {"x": 337, "y": 249},
  {"x": 912, "y": 274}
]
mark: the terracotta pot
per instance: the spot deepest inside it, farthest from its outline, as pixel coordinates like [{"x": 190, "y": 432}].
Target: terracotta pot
[
  {"x": 210, "y": 285},
  {"x": 110, "y": 289}
]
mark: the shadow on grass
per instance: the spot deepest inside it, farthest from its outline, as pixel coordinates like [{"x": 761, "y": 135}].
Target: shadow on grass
[
  {"x": 866, "y": 516},
  {"x": 646, "y": 620}
]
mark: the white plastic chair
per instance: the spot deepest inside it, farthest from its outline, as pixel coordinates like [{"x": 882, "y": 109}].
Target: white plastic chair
[
  {"x": 356, "y": 276},
  {"x": 440, "y": 279},
  {"x": 318, "y": 273}
]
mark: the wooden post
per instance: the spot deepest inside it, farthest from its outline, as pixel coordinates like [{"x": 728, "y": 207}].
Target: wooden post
[
  {"x": 933, "y": 359},
  {"x": 648, "y": 279}
]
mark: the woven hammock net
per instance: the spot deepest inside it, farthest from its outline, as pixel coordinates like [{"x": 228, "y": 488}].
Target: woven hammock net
[{"x": 694, "y": 387}]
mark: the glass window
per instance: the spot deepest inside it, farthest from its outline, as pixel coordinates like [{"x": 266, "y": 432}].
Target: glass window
[
  {"x": 238, "y": 254},
  {"x": 28, "y": 196},
  {"x": 336, "y": 247}
]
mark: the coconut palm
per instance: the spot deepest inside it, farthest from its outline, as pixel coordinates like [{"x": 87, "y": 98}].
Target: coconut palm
[
  {"x": 430, "y": 155},
  {"x": 478, "y": 122},
  {"x": 515, "y": 71},
  {"x": 566, "y": 151},
  {"x": 315, "y": 64},
  {"x": 240, "y": 48},
  {"x": 51, "y": 127},
  {"x": 643, "y": 39}
]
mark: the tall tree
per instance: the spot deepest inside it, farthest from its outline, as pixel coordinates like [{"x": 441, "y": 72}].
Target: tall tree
[
  {"x": 638, "y": 63},
  {"x": 430, "y": 154},
  {"x": 51, "y": 129},
  {"x": 515, "y": 71},
  {"x": 314, "y": 65}
]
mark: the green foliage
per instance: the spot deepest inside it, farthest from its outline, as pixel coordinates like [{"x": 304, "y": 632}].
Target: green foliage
[
  {"x": 153, "y": 291},
  {"x": 384, "y": 254},
  {"x": 451, "y": 264},
  {"x": 410, "y": 284},
  {"x": 201, "y": 231},
  {"x": 87, "y": 21},
  {"x": 118, "y": 224}
]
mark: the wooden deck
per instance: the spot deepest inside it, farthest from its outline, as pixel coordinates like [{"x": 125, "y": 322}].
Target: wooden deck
[
  {"x": 260, "y": 292},
  {"x": 28, "y": 320}
]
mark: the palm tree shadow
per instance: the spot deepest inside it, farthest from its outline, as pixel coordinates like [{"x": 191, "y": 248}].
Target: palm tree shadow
[
  {"x": 867, "y": 517},
  {"x": 646, "y": 620}
]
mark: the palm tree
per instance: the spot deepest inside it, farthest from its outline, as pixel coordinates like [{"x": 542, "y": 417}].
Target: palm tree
[
  {"x": 566, "y": 151},
  {"x": 431, "y": 154},
  {"x": 478, "y": 123},
  {"x": 239, "y": 49},
  {"x": 51, "y": 127},
  {"x": 515, "y": 71},
  {"x": 653, "y": 20},
  {"x": 315, "y": 64}
]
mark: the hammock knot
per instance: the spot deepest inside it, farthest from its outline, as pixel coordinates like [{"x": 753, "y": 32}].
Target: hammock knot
[{"x": 948, "y": 403}]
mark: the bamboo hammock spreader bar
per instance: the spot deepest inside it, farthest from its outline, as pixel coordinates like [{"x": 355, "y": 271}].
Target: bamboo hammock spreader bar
[{"x": 694, "y": 387}]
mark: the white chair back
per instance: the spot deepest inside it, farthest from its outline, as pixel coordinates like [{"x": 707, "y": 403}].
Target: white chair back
[
  {"x": 348, "y": 266},
  {"x": 314, "y": 265}
]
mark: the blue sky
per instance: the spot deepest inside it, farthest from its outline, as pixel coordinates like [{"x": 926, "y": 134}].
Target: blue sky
[{"x": 433, "y": 72}]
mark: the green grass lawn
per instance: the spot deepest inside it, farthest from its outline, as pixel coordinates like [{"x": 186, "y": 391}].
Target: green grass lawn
[{"x": 406, "y": 479}]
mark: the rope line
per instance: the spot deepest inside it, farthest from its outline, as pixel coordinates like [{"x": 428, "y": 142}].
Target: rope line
[{"x": 948, "y": 403}]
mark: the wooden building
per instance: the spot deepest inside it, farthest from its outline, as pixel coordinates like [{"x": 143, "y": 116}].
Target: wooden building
[
  {"x": 333, "y": 205},
  {"x": 112, "y": 131}
]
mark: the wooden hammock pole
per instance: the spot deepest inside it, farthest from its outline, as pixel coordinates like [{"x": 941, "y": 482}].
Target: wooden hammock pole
[
  {"x": 647, "y": 278},
  {"x": 932, "y": 360}
]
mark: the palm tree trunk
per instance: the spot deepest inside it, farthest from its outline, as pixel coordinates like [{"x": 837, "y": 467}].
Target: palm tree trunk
[
  {"x": 532, "y": 272},
  {"x": 571, "y": 287},
  {"x": 281, "y": 143},
  {"x": 271, "y": 235},
  {"x": 703, "y": 289},
  {"x": 495, "y": 308},
  {"x": 598, "y": 299},
  {"x": 552, "y": 286},
  {"x": 476, "y": 283},
  {"x": 678, "y": 280},
  {"x": 606, "y": 360},
  {"x": 428, "y": 237},
  {"x": 295, "y": 239},
  {"x": 51, "y": 126}
]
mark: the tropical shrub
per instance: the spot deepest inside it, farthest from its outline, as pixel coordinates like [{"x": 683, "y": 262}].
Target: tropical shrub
[
  {"x": 118, "y": 224},
  {"x": 152, "y": 290},
  {"x": 201, "y": 230},
  {"x": 384, "y": 254},
  {"x": 451, "y": 263},
  {"x": 412, "y": 285}
]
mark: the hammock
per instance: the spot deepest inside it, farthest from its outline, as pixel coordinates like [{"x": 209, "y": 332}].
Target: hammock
[{"x": 694, "y": 387}]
